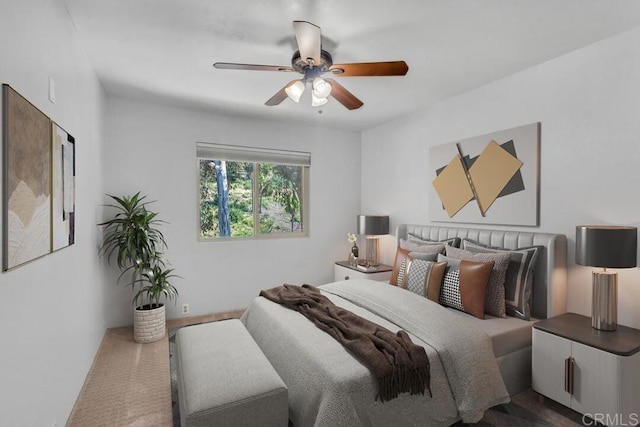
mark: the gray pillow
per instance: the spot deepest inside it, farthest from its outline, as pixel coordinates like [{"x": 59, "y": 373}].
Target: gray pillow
[
  {"x": 519, "y": 276},
  {"x": 454, "y": 241},
  {"x": 452, "y": 263},
  {"x": 426, "y": 249},
  {"x": 416, "y": 255},
  {"x": 424, "y": 277},
  {"x": 495, "y": 299}
]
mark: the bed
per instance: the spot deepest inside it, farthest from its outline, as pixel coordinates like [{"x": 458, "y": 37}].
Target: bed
[{"x": 475, "y": 364}]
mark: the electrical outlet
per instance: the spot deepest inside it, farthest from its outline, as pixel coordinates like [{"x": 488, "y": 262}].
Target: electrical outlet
[
  {"x": 185, "y": 308},
  {"x": 54, "y": 424}
]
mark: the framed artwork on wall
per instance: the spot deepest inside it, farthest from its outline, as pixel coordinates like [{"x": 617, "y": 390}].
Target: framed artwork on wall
[
  {"x": 26, "y": 181},
  {"x": 38, "y": 194},
  {"x": 487, "y": 179}
]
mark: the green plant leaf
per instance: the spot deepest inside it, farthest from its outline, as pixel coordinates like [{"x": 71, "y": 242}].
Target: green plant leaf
[{"x": 132, "y": 239}]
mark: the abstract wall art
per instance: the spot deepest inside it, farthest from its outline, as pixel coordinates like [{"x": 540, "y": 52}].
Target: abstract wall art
[
  {"x": 487, "y": 179},
  {"x": 27, "y": 181},
  {"x": 63, "y": 188},
  {"x": 38, "y": 200}
]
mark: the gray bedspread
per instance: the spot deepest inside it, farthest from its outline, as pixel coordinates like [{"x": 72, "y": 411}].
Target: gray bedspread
[{"x": 329, "y": 387}]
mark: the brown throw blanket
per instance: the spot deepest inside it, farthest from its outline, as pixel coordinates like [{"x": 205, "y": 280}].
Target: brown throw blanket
[{"x": 396, "y": 362}]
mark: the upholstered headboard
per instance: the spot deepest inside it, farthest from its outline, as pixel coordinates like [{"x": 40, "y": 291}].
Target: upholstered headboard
[{"x": 549, "y": 293}]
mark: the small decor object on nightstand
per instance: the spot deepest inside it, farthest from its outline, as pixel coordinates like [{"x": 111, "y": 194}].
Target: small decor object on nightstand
[
  {"x": 606, "y": 246},
  {"x": 353, "y": 255}
]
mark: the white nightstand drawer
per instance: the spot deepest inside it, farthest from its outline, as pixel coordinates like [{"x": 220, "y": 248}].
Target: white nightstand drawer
[{"x": 342, "y": 272}]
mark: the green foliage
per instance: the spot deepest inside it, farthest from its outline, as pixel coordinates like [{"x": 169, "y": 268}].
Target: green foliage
[
  {"x": 207, "y": 180},
  {"x": 239, "y": 194},
  {"x": 132, "y": 237},
  {"x": 266, "y": 225},
  {"x": 157, "y": 285},
  {"x": 280, "y": 190},
  {"x": 284, "y": 185},
  {"x": 209, "y": 219},
  {"x": 208, "y": 200}
]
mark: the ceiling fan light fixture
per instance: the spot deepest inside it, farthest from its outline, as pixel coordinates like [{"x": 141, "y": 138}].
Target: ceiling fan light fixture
[
  {"x": 317, "y": 101},
  {"x": 321, "y": 88},
  {"x": 313, "y": 62},
  {"x": 294, "y": 92}
]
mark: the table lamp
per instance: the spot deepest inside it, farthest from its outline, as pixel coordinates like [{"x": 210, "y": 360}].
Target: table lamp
[
  {"x": 606, "y": 246},
  {"x": 373, "y": 226}
]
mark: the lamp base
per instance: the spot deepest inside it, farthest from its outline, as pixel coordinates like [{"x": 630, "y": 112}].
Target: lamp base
[
  {"x": 372, "y": 251},
  {"x": 604, "y": 302}
]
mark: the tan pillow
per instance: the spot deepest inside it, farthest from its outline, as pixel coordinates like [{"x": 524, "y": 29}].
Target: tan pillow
[
  {"x": 401, "y": 256},
  {"x": 474, "y": 278},
  {"x": 465, "y": 289},
  {"x": 495, "y": 302}
]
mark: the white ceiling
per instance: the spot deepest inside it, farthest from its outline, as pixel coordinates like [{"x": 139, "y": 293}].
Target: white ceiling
[{"x": 163, "y": 50}]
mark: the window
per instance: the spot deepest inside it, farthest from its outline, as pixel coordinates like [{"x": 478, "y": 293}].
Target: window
[{"x": 249, "y": 192}]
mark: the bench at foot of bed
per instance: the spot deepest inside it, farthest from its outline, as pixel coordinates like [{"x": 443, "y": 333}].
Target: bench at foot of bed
[{"x": 225, "y": 379}]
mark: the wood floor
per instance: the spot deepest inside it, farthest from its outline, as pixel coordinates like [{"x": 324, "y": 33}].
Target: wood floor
[{"x": 129, "y": 384}]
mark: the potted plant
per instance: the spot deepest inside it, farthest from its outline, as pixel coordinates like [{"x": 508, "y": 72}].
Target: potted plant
[{"x": 133, "y": 239}]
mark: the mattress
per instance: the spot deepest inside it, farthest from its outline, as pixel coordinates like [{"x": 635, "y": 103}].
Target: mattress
[{"x": 508, "y": 334}]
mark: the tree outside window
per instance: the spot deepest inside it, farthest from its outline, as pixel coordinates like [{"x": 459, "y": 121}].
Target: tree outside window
[{"x": 251, "y": 199}]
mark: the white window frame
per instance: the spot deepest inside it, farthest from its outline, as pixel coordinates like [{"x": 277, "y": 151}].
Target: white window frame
[{"x": 236, "y": 153}]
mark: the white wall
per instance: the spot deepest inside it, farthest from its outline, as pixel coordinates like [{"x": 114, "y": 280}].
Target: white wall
[
  {"x": 51, "y": 310},
  {"x": 152, "y": 148},
  {"x": 54, "y": 310},
  {"x": 588, "y": 104}
]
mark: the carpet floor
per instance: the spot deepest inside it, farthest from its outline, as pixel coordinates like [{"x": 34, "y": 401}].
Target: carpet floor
[
  {"x": 127, "y": 384},
  {"x": 526, "y": 409}
]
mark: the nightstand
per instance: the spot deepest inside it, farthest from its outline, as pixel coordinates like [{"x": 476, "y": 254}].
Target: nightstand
[
  {"x": 343, "y": 271},
  {"x": 596, "y": 373}
]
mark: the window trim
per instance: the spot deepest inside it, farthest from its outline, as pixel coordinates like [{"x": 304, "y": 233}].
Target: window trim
[
  {"x": 240, "y": 153},
  {"x": 233, "y": 153}
]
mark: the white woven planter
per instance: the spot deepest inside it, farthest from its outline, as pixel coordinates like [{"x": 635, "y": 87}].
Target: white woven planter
[{"x": 148, "y": 325}]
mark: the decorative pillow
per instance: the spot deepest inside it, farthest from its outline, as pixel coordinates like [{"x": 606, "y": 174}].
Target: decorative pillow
[
  {"x": 400, "y": 263},
  {"x": 417, "y": 247},
  {"x": 519, "y": 277},
  {"x": 465, "y": 289},
  {"x": 454, "y": 241},
  {"x": 452, "y": 263},
  {"x": 424, "y": 277},
  {"x": 495, "y": 302}
]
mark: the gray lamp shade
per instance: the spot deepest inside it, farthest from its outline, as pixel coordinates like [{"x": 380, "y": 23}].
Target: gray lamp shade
[
  {"x": 373, "y": 225},
  {"x": 606, "y": 246}
]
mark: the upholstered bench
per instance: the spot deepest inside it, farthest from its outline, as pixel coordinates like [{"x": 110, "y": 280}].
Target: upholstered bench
[{"x": 224, "y": 379}]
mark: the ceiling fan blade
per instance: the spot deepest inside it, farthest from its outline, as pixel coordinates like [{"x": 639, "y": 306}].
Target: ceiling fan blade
[
  {"x": 254, "y": 67},
  {"x": 308, "y": 37},
  {"x": 343, "y": 96},
  {"x": 391, "y": 68},
  {"x": 280, "y": 96}
]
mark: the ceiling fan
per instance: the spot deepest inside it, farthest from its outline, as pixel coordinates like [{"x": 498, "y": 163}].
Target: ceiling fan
[{"x": 313, "y": 62}]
